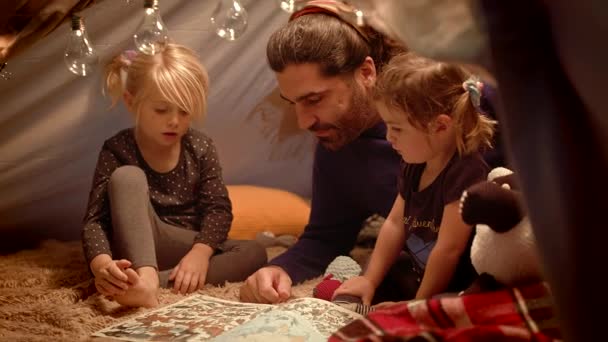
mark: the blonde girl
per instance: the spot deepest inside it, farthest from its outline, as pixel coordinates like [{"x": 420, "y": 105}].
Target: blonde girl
[{"x": 158, "y": 211}]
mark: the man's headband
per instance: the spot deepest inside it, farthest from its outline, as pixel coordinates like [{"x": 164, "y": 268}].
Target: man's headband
[{"x": 338, "y": 9}]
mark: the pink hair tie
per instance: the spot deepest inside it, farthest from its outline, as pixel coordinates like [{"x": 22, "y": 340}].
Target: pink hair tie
[{"x": 127, "y": 58}]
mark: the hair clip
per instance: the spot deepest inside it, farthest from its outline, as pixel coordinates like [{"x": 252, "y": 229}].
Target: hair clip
[{"x": 473, "y": 87}]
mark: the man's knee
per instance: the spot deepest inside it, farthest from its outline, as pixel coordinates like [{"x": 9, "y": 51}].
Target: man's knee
[
  {"x": 242, "y": 258},
  {"x": 128, "y": 178},
  {"x": 254, "y": 252}
]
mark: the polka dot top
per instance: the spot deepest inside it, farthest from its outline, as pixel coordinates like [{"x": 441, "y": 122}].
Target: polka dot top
[{"x": 192, "y": 195}]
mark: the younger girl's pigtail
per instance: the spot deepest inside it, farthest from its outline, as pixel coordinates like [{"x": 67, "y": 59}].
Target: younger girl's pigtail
[
  {"x": 463, "y": 115},
  {"x": 474, "y": 131},
  {"x": 473, "y": 87}
]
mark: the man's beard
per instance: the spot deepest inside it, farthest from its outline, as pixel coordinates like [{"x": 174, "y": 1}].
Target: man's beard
[{"x": 359, "y": 116}]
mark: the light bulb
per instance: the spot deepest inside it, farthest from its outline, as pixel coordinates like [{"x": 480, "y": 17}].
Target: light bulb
[
  {"x": 363, "y": 5},
  {"x": 363, "y": 10},
  {"x": 291, "y": 6},
  {"x": 152, "y": 35},
  {"x": 80, "y": 57},
  {"x": 229, "y": 19},
  {"x": 5, "y": 74}
]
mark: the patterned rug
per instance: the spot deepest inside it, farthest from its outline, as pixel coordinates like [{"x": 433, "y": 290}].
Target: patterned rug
[{"x": 46, "y": 294}]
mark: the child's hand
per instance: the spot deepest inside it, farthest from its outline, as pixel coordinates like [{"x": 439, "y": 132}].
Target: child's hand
[
  {"x": 110, "y": 277},
  {"x": 358, "y": 286},
  {"x": 191, "y": 272}
]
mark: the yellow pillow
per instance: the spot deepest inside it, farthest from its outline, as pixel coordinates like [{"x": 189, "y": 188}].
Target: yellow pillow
[{"x": 258, "y": 209}]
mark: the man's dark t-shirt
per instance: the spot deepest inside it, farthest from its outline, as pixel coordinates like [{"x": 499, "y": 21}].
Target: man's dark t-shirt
[{"x": 349, "y": 185}]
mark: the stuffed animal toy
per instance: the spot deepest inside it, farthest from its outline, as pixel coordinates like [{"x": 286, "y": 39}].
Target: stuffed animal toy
[
  {"x": 339, "y": 270},
  {"x": 504, "y": 251}
]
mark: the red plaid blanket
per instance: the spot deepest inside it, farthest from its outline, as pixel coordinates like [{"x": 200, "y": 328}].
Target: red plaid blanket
[{"x": 517, "y": 314}]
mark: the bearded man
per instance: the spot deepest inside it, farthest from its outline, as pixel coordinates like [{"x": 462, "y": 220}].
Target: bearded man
[{"x": 326, "y": 68}]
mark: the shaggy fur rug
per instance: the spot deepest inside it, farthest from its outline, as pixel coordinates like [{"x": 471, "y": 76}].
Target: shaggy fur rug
[{"x": 46, "y": 294}]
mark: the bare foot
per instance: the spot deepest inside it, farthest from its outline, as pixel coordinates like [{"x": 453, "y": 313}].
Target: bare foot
[{"x": 143, "y": 290}]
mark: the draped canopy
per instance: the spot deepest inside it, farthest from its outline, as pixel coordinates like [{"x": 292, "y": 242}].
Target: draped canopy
[{"x": 53, "y": 122}]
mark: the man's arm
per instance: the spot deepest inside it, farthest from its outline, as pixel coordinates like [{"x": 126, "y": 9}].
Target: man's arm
[
  {"x": 348, "y": 186},
  {"x": 318, "y": 246},
  {"x": 335, "y": 219}
]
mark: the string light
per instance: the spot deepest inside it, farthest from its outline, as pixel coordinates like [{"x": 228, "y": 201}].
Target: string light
[
  {"x": 152, "y": 34},
  {"x": 229, "y": 19},
  {"x": 79, "y": 56},
  {"x": 291, "y": 6},
  {"x": 4, "y": 74}
]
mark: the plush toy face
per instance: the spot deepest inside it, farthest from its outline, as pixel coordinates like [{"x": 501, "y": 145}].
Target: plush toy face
[
  {"x": 504, "y": 245},
  {"x": 510, "y": 257}
]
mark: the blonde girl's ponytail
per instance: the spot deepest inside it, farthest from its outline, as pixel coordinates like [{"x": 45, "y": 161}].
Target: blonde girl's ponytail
[
  {"x": 175, "y": 75},
  {"x": 116, "y": 75}
]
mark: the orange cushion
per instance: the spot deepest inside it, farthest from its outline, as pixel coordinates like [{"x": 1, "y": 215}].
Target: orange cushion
[{"x": 258, "y": 209}]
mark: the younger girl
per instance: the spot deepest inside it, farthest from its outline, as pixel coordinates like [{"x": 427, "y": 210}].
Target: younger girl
[
  {"x": 433, "y": 124},
  {"x": 158, "y": 201}
]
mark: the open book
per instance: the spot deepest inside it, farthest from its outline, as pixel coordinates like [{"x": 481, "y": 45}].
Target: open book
[{"x": 204, "y": 318}]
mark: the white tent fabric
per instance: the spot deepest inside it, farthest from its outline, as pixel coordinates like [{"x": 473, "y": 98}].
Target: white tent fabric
[{"x": 53, "y": 123}]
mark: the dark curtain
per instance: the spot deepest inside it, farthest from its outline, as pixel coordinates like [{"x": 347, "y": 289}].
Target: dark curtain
[{"x": 549, "y": 58}]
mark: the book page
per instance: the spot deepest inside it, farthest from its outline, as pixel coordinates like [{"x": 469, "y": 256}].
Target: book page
[{"x": 203, "y": 318}]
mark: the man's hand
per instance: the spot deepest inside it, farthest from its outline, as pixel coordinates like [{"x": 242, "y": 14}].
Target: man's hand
[
  {"x": 110, "y": 276},
  {"x": 360, "y": 287},
  {"x": 191, "y": 272},
  {"x": 268, "y": 285}
]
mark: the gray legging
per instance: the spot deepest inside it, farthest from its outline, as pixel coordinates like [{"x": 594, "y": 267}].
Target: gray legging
[{"x": 141, "y": 237}]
